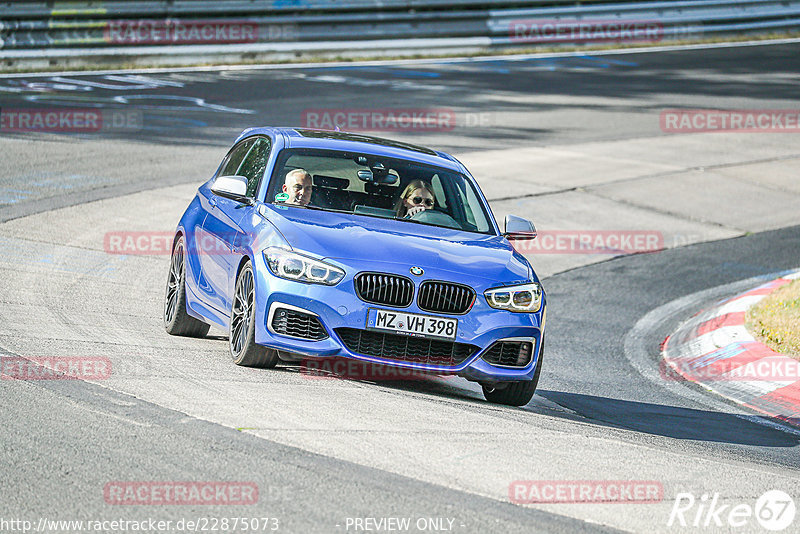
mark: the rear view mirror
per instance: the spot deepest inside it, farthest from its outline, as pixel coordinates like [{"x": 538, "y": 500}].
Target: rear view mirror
[
  {"x": 519, "y": 228},
  {"x": 390, "y": 178},
  {"x": 378, "y": 175}
]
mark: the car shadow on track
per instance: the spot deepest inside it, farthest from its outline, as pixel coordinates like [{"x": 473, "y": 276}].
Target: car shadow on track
[
  {"x": 673, "y": 421},
  {"x": 450, "y": 387},
  {"x": 655, "y": 419}
]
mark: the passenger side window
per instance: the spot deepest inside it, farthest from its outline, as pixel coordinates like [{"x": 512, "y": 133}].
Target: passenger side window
[
  {"x": 254, "y": 165},
  {"x": 438, "y": 191},
  {"x": 472, "y": 201}
]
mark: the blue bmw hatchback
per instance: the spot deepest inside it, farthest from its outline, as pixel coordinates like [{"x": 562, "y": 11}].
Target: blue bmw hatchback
[{"x": 318, "y": 244}]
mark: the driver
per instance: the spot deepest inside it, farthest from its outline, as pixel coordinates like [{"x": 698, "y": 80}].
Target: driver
[
  {"x": 417, "y": 196},
  {"x": 298, "y": 186}
]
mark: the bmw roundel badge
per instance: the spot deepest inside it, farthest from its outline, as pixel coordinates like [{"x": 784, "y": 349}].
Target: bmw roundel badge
[{"x": 416, "y": 271}]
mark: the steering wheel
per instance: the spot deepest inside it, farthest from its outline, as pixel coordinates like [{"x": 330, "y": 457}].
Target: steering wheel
[{"x": 435, "y": 217}]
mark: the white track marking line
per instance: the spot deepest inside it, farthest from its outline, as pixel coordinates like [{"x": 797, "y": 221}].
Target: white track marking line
[{"x": 402, "y": 62}]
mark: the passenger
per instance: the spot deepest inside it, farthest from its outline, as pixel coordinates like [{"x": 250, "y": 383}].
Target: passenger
[
  {"x": 298, "y": 186},
  {"x": 417, "y": 196}
]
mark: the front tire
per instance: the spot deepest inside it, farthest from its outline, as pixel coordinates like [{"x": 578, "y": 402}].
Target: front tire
[
  {"x": 177, "y": 321},
  {"x": 242, "y": 344},
  {"x": 517, "y": 393}
]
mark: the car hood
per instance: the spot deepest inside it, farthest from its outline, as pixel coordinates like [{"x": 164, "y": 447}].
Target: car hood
[{"x": 360, "y": 241}]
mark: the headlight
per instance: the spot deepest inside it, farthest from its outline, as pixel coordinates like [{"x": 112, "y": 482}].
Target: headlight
[
  {"x": 521, "y": 298},
  {"x": 293, "y": 266}
]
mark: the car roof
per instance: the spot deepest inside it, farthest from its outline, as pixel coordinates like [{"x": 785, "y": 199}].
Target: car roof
[{"x": 355, "y": 142}]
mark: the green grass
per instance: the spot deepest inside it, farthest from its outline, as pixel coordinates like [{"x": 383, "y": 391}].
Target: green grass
[{"x": 775, "y": 321}]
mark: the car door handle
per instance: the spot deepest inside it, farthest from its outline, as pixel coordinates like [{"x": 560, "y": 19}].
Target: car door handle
[{"x": 213, "y": 202}]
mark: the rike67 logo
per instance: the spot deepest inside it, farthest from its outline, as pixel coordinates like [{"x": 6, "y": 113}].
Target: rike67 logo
[{"x": 774, "y": 511}]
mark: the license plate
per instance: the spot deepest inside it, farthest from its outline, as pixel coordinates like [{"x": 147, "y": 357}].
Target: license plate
[{"x": 412, "y": 324}]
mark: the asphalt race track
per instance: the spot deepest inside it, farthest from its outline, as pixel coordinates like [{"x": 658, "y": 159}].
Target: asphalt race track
[{"x": 573, "y": 143}]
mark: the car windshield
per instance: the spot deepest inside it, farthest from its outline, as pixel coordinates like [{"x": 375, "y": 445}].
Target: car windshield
[{"x": 377, "y": 186}]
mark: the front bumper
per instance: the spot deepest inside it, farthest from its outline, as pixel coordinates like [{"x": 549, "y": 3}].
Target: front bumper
[{"x": 339, "y": 307}]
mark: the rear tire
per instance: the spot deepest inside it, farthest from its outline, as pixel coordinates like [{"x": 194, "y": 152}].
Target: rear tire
[
  {"x": 517, "y": 393},
  {"x": 241, "y": 338},
  {"x": 177, "y": 321}
]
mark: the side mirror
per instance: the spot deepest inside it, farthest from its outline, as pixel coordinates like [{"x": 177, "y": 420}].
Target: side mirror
[
  {"x": 519, "y": 228},
  {"x": 233, "y": 187}
]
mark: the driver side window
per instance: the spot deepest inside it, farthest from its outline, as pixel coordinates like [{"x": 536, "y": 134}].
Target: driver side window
[
  {"x": 249, "y": 160},
  {"x": 254, "y": 165},
  {"x": 235, "y": 157}
]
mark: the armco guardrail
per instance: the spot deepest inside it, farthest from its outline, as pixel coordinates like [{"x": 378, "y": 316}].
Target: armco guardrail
[{"x": 168, "y": 28}]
